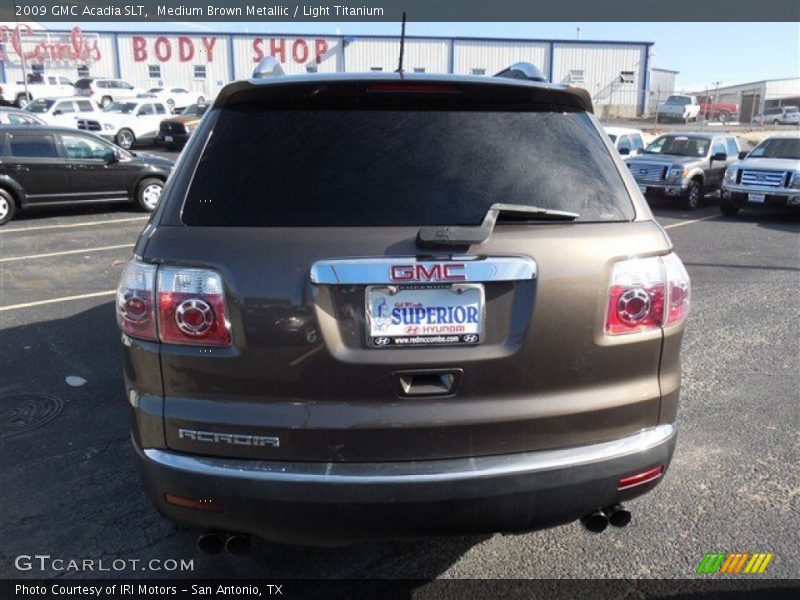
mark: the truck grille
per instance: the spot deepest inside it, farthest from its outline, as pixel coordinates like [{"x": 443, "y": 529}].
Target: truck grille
[
  {"x": 170, "y": 128},
  {"x": 648, "y": 172},
  {"x": 89, "y": 125},
  {"x": 772, "y": 179}
]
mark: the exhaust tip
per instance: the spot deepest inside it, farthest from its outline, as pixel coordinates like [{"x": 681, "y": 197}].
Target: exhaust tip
[
  {"x": 618, "y": 516},
  {"x": 595, "y": 522},
  {"x": 238, "y": 545},
  {"x": 210, "y": 543}
]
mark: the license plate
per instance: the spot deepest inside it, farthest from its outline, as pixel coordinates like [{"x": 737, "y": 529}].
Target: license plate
[
  {"x": 757, "y": 198},
  {"x": 167, "y": 138},
  {"x": 407, "y": 316},
  {"x": 643, "y": 189}
]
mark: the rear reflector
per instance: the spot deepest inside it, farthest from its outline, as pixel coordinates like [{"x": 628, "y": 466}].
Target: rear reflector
[
  {"x": 640, "y": 478},
  {"x": 206, "y": 505}
]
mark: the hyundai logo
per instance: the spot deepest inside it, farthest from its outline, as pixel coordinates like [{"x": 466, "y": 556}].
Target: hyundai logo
[
  {"x": 382, "y": 341},
  {"x": 470, "y": 338}
]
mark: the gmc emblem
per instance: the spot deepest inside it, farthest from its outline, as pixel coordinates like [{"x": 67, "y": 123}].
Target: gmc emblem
[{"x": 437, "y": 272}]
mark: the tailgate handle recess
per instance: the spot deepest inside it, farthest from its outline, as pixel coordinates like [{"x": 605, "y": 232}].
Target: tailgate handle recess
[{"x": 427, "y": 383}]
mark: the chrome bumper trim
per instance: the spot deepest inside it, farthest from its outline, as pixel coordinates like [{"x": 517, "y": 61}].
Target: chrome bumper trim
[
  {"x": 412, "y": 472},
  {"x": 405, "y": 269}
]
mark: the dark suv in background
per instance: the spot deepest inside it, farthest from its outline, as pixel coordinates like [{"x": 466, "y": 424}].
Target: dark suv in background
[
  {"x": 391, "y": 305},
  {"x": 45, "y": 166}
]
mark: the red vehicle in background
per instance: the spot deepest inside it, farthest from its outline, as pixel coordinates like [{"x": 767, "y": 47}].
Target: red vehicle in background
[{"x": 713, "y": 110}]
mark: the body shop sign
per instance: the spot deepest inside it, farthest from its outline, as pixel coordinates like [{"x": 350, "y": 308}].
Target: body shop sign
[{"x": 187, "y": 49}]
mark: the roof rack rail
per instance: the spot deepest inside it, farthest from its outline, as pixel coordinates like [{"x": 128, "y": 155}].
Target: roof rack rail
[
  {"x": 522, "y": 70},
  {"x": 267, "y": 67}
]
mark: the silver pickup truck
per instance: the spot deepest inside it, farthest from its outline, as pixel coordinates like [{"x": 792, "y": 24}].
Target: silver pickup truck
[
  {"x": 684, "y": 166},
  {"x": 767, "y": 178}
]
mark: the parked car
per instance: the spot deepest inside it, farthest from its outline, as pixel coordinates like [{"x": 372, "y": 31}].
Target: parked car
[
  {"x": 712, "y": 109},
  {"x": 767, "y": 177},
  {"x": 628, "y": 142},
  {"x": 17, "y": 116},
  {"x": 62, "y": 111},
  {"x": 779, "y": 115},
  {"x": 176, "y": 98},
  {"x": 49, "y": 165},
  {"x": 485, "y": 317},
  {"x": 129, "y": 121},
  {"x": 684, "y": 165},
  {"x": 175, "y": 131},
  {"x": 679, "y": 107},
  {"x": 38, "y": 86},
  {"x": 104, "y": 91}
]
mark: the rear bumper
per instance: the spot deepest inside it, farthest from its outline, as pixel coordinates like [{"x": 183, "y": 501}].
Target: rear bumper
[
  {"x": 178, "y": 139},
  {"x": 334, "y": 503}
]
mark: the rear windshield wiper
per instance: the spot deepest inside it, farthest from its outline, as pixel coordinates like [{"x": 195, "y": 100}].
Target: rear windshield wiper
[{"x": 465, "y": 235}]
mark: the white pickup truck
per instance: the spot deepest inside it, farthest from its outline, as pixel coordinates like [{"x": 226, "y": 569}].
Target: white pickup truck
[
  {"x": 679, "y": 107},
  {"x": 48, "y": 86}
]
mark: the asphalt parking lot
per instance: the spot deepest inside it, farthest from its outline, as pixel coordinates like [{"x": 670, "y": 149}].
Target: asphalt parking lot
[{"x": 70, "y": 486}]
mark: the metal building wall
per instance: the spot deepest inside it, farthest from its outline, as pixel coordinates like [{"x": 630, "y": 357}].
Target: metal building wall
[
  {"x": 783, "y": 88},
  {"x": 662, "y": 84},
  {"x": 602, "y": 65},
  {"x": 491, "y": 56},
  {"x": 371, "y": 53},
  {"x": 176, "y": 55},
  {"x": 296, "y": 53}
]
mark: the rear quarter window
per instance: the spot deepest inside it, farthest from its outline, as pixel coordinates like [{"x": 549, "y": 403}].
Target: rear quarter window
[
  {"x": 309, "y": 167},
  {"x": 32, "y": 145}
]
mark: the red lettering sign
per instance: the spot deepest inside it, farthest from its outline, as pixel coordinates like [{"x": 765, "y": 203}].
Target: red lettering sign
[
  {"x": 139, "y": 48},
  {"x": 300, "y": 50},
  {"x": 185, "y": 49},
  {"x": 208, "y": 44},
  {"x": 75, "y": 48},
  {"x": 163, "y": 49}
]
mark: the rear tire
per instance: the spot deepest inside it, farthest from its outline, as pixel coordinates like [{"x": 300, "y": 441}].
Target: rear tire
[
  {"x": 148, "y": 193},
  {"x": 22, "y": 100},
  {"x": 693, "y": 196},
  {"x": 125, "y": 139},
  {"x": 727, "y": 208},
  {"x": 201, "y": 100},
  {"x": 724, "y": 116},
  {"x": 776, "y": 122},
  {"x": 171, "y": 105},
  {"x": 8, "y": 207},
  {"x": 105, "y": 101}
]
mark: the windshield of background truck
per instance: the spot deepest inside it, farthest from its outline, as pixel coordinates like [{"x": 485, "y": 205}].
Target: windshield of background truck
[
  {"x": 679, "y": 145},
  {"x": 777, "y": 148}
]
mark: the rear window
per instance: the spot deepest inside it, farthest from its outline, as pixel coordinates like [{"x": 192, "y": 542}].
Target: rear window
[{"x": 294, "y": 168}]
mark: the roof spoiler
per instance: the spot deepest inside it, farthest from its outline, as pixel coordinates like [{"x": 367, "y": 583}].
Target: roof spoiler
[
  {"x": 267, "y": 67},
  {"x": 522, "y": 70}
]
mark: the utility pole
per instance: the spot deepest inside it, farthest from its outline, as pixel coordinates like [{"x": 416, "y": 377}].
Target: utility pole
[{"x": 22, "y": 58}]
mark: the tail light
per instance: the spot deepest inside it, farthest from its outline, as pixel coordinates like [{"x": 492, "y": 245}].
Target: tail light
[
  {"x": 191, "y": 307},
  {"x": 646, "y": 294},
  {"x": 136, "y": 300},
  {"x": 173, "y": 305}
]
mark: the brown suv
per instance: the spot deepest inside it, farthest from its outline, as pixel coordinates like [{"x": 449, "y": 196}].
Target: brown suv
[{"x": 391, "y": 305}]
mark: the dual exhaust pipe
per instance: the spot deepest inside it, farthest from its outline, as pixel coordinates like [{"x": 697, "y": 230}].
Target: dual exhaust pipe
[
  {"x": 214, "y": 542},
  {"x": 616, "y": 516}
]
